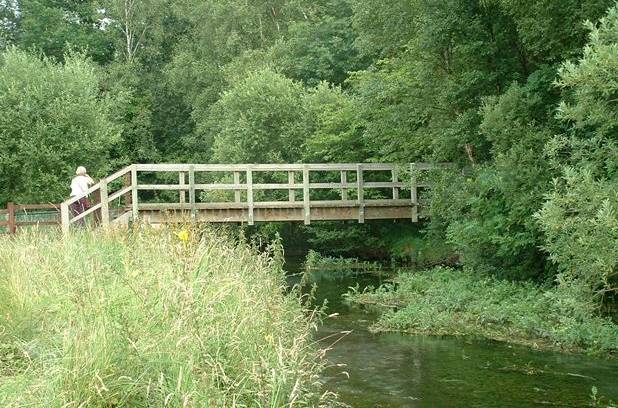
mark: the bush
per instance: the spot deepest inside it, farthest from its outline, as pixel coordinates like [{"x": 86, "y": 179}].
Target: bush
[
  {"x": 580, "y": 221},
  {"x": 149, "y": 319}
]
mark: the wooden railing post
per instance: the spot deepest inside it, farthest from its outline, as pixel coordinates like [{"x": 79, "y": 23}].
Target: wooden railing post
[
  {"x": 128, "y": 198},
  {"x": 344, "y": 180},
  {"x": 306, "y": 195},
  {"x": 237, "y": 181},
  {"x": 182, "y": 181},
  {"x": 361, "y": 194},
  {"x": 64, "y": 217},
  {"x": 97, "y": 213},
  {"x": 292, "y": 191},
  {"x": 12, "y": 225},
  {"x": 414, "y": 192},
  {"x": 134, "y": 202},
  {"x": 395, "y": 174},
  {"x": 104, "y": 203},
  {"x": 192, "y": 191},
  {"x": 250, "y": 218}
]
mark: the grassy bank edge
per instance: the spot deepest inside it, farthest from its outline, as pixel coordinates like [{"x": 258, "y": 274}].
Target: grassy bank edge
[{"x": 448, "y": 302}]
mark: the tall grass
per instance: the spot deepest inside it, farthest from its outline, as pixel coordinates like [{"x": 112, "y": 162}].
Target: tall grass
[{"x": 150, "y": 318}]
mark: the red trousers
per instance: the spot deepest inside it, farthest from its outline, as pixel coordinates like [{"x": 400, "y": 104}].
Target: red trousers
[{"x": 79, "y": 207}]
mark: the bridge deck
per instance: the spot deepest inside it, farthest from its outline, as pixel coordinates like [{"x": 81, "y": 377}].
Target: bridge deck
[{"x": 252, "y": 193}]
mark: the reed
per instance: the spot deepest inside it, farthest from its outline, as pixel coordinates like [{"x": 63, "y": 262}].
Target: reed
[{"x": 170, "y": 317}]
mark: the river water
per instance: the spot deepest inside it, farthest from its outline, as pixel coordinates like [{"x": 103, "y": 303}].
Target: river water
[{"x": 399, "y": 370}]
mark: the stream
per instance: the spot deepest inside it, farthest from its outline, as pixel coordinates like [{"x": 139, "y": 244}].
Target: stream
[{"x": 399, "y": 370}]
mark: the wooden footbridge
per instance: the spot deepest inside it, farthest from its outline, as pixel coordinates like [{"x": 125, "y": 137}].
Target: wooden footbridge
[{"x": 250, "y": 193}]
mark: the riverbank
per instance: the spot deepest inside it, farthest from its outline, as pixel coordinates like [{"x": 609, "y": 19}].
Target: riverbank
[
  {"x": 445, "y": 301},
  {"x": 150, "y": 318}
]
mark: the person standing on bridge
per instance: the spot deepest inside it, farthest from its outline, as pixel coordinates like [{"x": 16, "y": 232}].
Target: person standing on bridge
[{"x": 79, "y": 187}]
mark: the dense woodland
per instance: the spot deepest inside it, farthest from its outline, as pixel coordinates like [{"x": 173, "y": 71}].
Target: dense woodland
[{"x": 522, "y": 96}]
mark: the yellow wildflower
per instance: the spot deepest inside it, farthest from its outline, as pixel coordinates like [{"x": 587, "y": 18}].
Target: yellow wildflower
[{"x": 183, "y": 235}]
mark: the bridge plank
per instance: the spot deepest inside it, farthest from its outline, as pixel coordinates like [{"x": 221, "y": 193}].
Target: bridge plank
[
  {"x": 118, "y": 174},
  {"x": 344, "y": 181}
]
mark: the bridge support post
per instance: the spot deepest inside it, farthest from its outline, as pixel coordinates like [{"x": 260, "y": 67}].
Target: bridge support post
[
  {"x": 306, "y": 196},
  {"x": 250, "y": 219},
  {"x": 414, "y": 192},
  {"x": 237, "y": 182},
  {"x": 64, "y": 217},
  {"x": 127, "y": 183},
  {"x": 360, "y": 184},
  {"x": 192, "y": 191},
  {"x": 344, "y": 181},
  {"x": 182, "y": 195},
  {"x": 395, "y": 174},
  {"x": 292, "y": 191},
  {"x": 104, "y": 203},
  {"x": 134, "y": 203}
]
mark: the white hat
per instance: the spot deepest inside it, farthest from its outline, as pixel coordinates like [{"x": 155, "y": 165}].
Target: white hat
[{"x": 81, "y": 170}]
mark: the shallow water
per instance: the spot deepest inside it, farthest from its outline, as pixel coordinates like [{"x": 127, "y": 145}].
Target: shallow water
[{"x": 398, "y": 370}]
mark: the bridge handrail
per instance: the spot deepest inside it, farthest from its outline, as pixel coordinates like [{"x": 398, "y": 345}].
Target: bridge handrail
[
  {"x": 133, "y": 187},
  {"x": 100, "y": 189}
]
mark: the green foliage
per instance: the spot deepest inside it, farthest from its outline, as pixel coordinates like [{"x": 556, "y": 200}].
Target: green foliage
[
  {"x": 550, "y": 31},
  {"x": 335, "y": 131},
  {"x": 321, "y": 46},
  {"x": 490, "y": 219},
  {"x": 258, "y": 121},
  {"x": 57, "y": 26},
  {"x": 580, "y": 216},
  {"x": 52, "y": 118},
  {"x": 133, "y": 115},
  {"x": 473, "y": 82},
  {"x": 580, "y": 221},
  {"x": 315, "y": 260},
  {"x": 447, "y": 301},
  {"x": 422, "y": 250},
  {"x": 151, "y": 318}
]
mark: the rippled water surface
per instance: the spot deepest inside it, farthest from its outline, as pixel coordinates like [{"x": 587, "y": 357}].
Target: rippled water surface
[{"x": 394, "y": 370}]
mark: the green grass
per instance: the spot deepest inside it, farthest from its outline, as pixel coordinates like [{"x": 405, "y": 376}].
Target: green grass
[
  {"x": 145, "y": 319},
  {"x": 444, "y": 301},
  {"x": 422, "y": 251}
]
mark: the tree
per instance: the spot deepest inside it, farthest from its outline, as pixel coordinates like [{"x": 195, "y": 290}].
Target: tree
[
  {"x": 8, "y": 20},
  {"x": 56, "y": 27},
  {"x": 52, "y": 119},
  {"x": 320, "y": 47},
  {"x": 261, "y": 120},
  {"x": 334, "y": 128},
  {"x": 580, "y": 217}
]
